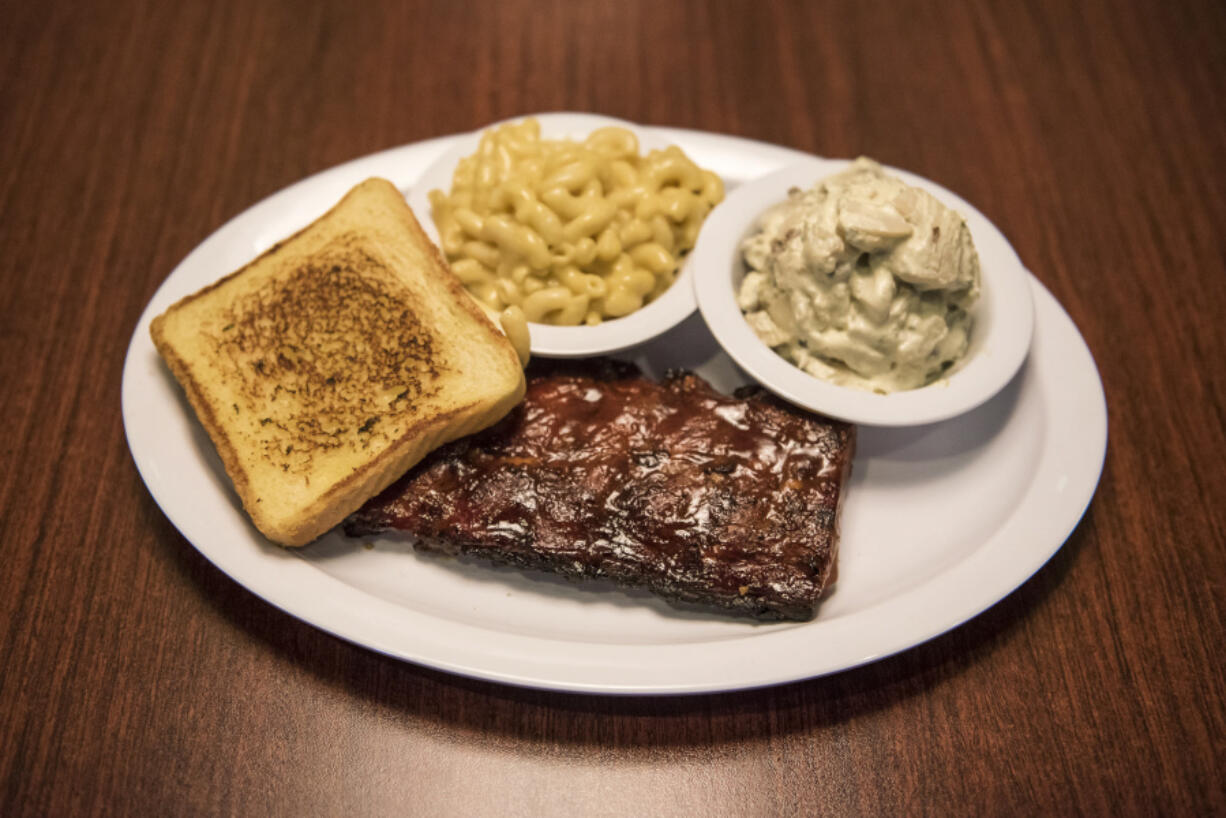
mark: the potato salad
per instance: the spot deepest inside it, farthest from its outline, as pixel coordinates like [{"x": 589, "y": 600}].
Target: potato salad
[{"x": 863, "y": 281}]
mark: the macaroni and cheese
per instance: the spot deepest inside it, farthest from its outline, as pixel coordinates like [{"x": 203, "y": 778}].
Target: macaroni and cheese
[
  {"x": 568, "y": 232},
  {"x": 863, "y": 281}
]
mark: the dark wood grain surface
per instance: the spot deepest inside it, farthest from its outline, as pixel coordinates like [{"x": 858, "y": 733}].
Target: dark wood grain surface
[{"x": 138, "y": 679}]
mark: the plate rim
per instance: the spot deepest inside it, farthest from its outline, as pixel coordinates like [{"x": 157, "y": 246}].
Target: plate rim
[{"x": 328, "y": 611}]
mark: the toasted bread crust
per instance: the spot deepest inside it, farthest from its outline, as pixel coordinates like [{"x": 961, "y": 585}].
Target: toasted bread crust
[{"x": 348, "y": 352}]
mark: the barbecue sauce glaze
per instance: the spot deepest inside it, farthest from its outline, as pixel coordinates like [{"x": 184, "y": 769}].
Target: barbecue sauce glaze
[{"x": 724, "y": 501}]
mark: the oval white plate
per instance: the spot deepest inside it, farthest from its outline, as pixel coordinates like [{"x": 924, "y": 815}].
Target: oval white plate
[
  {"x": 1004, "y": 316},
  {"x": 654, "y": 319},
  {"x": 941, "y": 521}
]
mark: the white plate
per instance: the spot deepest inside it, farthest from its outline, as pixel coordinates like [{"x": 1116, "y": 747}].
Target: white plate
[
  {"x": 1004, "y": 315},
  {"x": 941, "y": 521},
  {"x": 640, "y": 326}
]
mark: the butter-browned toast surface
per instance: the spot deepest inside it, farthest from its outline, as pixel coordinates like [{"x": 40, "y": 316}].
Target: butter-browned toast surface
[{"x": 335, "y": 361}]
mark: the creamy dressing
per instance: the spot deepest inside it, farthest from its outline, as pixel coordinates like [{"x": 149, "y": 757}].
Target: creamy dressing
[{"x": 863, "y": 281}]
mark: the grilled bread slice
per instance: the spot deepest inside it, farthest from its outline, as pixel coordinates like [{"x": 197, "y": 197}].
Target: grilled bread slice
[{"x": 334, "y": 362}]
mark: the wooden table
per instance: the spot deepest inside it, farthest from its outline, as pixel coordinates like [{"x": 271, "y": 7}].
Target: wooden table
[{"x": 138, "y": 679}]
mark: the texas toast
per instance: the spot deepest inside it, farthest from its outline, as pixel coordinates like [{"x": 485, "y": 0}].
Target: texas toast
[{"x": 334, "y": 362}]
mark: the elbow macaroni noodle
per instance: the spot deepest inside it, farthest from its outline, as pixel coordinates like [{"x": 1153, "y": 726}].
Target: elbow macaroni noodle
[
  {"x": 515, "y": 327},
  {"x": 571, "y": 232}
]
